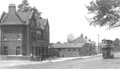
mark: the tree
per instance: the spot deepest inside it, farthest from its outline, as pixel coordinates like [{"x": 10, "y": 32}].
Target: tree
[
  {"x": 86, "y": 37},
  {"x": 116, "y": 42},
  {"x": 24, "y": 7},
  {"x": 105, "y": 13},
  {"x": 58, "y": 42},
  {"x": 89, "y": 40},
  {"x": 36, "y": 12},
  {"x": 70, "y": 38}
]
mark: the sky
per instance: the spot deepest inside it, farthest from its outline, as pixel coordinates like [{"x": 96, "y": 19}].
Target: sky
[{"x": 66, "y": 17}]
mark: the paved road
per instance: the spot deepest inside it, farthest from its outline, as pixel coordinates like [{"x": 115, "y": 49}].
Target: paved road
[{"x": 86, "y": 63}]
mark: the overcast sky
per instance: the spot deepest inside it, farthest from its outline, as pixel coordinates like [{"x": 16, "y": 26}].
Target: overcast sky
[{"x": 66, "y": 17}]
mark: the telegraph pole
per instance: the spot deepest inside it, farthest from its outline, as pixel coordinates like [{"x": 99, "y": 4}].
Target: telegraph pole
[
  {"x": 98, "y": 44},
  {"x": 98, "y": 39}
]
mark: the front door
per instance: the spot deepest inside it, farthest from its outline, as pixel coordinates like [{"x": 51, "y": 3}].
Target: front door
[
  {"x": 5, "y": 50},
  {"x": 18, "y": 50}
]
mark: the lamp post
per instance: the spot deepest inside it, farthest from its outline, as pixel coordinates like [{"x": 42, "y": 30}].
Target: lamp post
[{"x": 49, "y": 53}]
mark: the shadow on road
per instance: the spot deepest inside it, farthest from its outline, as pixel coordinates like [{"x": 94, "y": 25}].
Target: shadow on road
[{"x": 116, "y": 58}]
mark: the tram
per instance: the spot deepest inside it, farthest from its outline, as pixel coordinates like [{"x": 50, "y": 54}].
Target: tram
[{"x": 107, "y": 49}]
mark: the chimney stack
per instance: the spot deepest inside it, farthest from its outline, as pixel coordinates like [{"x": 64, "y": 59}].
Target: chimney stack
[{"x": 12, "y": 8}]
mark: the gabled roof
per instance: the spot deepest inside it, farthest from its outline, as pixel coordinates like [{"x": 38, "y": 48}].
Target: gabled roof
[
  {"x": 3, "y": 16},
  {"x": 25, "y": 16},
  {"x": 68, "y": 45},
  {"x": 82, "y": 40},
  {"x": 18, "y": 17},
  {"x": 79, "y": 40},
  {"x": 41, "y": 23},
  {"x": 14, "y": 17}
]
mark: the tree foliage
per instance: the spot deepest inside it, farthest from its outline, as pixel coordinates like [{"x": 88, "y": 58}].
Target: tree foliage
[
  {"x": 70, "y": 38},
  {"x": 85, "y": 37},
  {"x": 105, "y": 13},
  {"x": 116, "y": 42},
  {"x": 25, "y": 7},
  {"x": 58, "y": 42},
  {"x": 37, "y": 12}
]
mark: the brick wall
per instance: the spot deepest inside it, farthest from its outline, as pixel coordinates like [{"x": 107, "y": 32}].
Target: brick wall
[{"x": 11, "y": 33}]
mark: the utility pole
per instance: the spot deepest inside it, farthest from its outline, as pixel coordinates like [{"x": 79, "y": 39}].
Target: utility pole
[
  {"x": 98, "y": 39},
  {"x": 98, "y": 44},
  {"x": 49, "y": 47}
]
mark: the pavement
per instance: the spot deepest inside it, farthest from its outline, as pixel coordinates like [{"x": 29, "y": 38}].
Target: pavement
[
  {"x": 73, "y": 58},
  {"x": 6, "y": 63}
]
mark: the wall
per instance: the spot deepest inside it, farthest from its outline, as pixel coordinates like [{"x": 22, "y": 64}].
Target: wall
[
  {"x": 74, "y": 52},
  {"x": 0, "y": 42},
  {"x": 69, "y": 52},
  {"x": 24, "y": 41},
  {"x": 12, "y": 46},
  {"x": 12, "y": 41}
]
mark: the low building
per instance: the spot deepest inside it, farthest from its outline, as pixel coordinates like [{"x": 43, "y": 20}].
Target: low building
[
  {"x": 68, "y": 49},
  {"x": 74, "y": 49},
  {"x": 78, "y": 47}
]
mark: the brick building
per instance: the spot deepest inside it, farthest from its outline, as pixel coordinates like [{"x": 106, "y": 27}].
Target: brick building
[
  {"x": 68, "y": 49},
  {"x": 78, "y": 47},
  {"x": 23, "y": 33}
]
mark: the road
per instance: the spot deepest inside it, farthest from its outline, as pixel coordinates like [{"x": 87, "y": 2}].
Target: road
[{"x": 86, "y": 63}]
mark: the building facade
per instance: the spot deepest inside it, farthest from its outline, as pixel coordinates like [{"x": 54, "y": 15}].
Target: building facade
[
  {"x": 23, "y": 33},
  {"x": 78, "y": 47},
  {"x": 74, "y": 49},
  {"x": 68, "y": 50}
]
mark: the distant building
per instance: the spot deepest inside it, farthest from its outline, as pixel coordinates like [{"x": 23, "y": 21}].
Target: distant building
[
  {"x": 69, "y": 49},
  {"x": 80, "y": 39},
  {"x": 78, "y": 47},
  {"x": 23, "y": 33}
]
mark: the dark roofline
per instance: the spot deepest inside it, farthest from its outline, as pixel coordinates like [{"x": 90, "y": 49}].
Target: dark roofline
[
  {"x": 5, "y": 18},
  {"x": 2, "y": 16},
  {"x": 69, "y": 45},
  {"x": 19, "y": 18},
  {"x": 78, "y": 39},
  {"x": 7, "y": 23},
  {"x": 65, "y": 47},
  {"x": 31, "y": 15}
]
